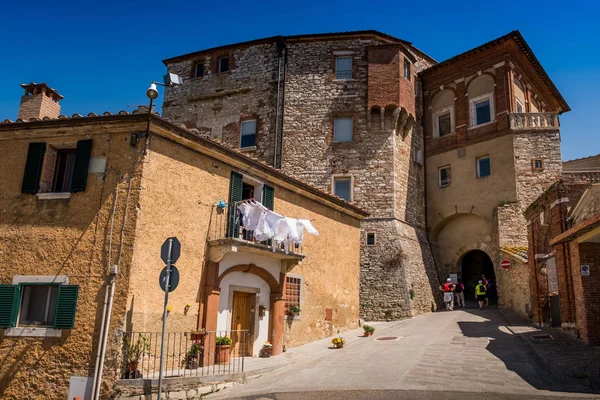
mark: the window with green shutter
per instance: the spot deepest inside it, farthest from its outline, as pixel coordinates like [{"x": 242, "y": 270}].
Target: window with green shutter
[
  {"x": 81, "y": 165},
  {"x": 235, "y": 195},
  {"x": 9, "y": 305},
  {"x": 66, "y": 305},
  {"x": 268, "y": 197},
  {"x": 33, "y": 168}
]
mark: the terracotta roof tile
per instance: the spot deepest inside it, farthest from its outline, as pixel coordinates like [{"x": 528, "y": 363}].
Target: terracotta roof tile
[{"x": 518, "y": 252}]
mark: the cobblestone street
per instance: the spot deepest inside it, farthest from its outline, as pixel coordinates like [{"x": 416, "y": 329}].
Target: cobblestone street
[{"x": 465, "y": 350}]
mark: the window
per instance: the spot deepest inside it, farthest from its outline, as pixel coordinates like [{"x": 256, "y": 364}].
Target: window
[
  {"x": 519, "y": 106},
  {"x": 343, "y": 68},
  {"x": 37, "y": 302},
  {"x": 484, "y": 167},
  {"x": 444, "y": 176},
  {"x": 537, "y": 165},
  {"x": 293, "y": 294},
  {"x": 342, "y": 187},
  {"x": 444, "y": 123},
  {"x": 482, "y": 110},
  {"x": 199, "y": 70},
  {"x": 418, "y": 156},
  {"x": 223, "y": 64},
  {"x": 243, "y": 187},
  {"x": 370, "y": 238},
  {"x": 56, "y": 169},
  {"x": 407, "y": 69},
  {"x": 342, "y": 129},
  {"x": 248, "y": 134}
]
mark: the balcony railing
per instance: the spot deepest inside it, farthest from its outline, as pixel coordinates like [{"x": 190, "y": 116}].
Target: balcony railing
[
  {"x": 226, "y": 223},
  {"x": 186, "y": 354},
  {"x": 526, "y": 121}
]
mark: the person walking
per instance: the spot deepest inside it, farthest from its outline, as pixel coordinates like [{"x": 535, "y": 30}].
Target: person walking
[
  {"x": 459, "y": 293},
  {"x": 487, "y": 283},
  {"x": 448, "y": 289},
  {"x": 480, "y": 291}
]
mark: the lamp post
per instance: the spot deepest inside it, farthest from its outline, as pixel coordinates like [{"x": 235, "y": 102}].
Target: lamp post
[{"x": 170, "y": 80}]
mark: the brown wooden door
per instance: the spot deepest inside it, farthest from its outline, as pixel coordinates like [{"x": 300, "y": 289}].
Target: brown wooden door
[{"x": 242, "y": 319}]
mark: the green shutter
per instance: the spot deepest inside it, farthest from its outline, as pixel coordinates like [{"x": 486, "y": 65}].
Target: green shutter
[
  {"x": 33, "y": 168},
  {"x": 268, "y": 197},
  {"x": 81, "y": 165},
  {"x": 9, "y": 305},
  {"x": 66, "y": 305},
  {"x": 235, "y": 195}
]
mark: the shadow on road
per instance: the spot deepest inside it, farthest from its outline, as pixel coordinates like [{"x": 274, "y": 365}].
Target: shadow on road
[{"x": 519, "y": 356}]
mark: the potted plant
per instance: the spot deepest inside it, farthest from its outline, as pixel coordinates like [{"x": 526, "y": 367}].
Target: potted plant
[
  {"x": 223, "y": 343},
  {"x": 338, "y": 342},
  {"x": 198, "y": 335},
  {"x": 368, "y": 330},
  {"x": 134, "y": 352},
  {"x": 266, "y": 350},
  {"x": 293, "y": 310},
  {"x": 192, "y": 356}
]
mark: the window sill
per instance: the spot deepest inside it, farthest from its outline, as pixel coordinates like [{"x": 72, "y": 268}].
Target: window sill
[
  {"x": 481, "y": 125},
  {"x": 197, "y": 78},
  {"x": 53, "y": 196},
  {"x": 23, "y": 331},
  {"x": 445, "y": 136},
  {"x": 343, "y": 80},
  {"x": 443, "y": 186},
  {"x": 249, "y": 148}
]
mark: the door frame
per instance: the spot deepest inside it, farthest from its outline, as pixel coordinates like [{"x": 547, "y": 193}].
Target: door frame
[{"x": 254, "y": 314}]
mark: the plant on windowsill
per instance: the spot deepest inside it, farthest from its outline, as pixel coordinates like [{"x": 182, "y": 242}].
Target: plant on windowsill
[
  {"x": 193, "y": 355},
  {"x": 266, "y": 350},
  {"x": 293, "y": 310},
  {"x": 223, "y": 343},
  {"x": 338, "y": 342},
  {"x": 368, "y": 330},
  {"x": 198, "y": 335},
  {"x": 133, "y": 352}
]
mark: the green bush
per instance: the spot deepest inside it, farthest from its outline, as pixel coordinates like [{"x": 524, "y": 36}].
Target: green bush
[
  {"x": 368, "y": 328},
  {"x": 223, "y": 341}
]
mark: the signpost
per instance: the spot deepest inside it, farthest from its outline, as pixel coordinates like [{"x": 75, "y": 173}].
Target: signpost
[
  {"x": 168, "y": 280},
  {"x": 505, "y": 264}
]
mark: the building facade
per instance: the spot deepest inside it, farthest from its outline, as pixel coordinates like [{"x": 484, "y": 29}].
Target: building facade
[
  {"x": 445, "y": 157},
  {"x": 88, "y": 202}
]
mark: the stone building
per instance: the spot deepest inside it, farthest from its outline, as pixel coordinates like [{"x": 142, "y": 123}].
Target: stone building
[
  {"x": 87, "y": 203},
  {"x": 445, "y": 157}
]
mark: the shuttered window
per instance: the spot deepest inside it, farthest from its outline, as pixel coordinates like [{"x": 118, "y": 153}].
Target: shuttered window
[
  {"x": 236, "y": 185},
  {"x": 33, "y": 168},
  {"x": 81, "y": 166},
  {"x": 268, "y": 197},
  {"x": 38, "y": 305}
]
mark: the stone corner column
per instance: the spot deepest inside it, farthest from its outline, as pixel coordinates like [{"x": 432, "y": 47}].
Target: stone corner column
[{"x": 277, "y": 322}]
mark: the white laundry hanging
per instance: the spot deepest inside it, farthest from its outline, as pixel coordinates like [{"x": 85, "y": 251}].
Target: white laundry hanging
[
  {"x": 263, "y": 231},
  {"x": 305, "y": 224}
]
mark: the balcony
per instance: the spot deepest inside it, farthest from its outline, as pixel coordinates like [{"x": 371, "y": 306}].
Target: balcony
[
  {"x": 227, "y": 235},
  {"x": 532, "y": 121}
]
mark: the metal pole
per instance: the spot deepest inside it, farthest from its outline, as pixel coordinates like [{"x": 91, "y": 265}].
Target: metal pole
[{"x": 164, "y": 327}]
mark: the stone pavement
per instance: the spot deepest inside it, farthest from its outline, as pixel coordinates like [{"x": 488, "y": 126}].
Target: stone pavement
[{"x": 465, "y": 350}]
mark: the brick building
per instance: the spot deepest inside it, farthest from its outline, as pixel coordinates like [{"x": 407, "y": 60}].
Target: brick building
[
  {"x": 445, "y": 157},
  {"x": 87, "y": 202}
]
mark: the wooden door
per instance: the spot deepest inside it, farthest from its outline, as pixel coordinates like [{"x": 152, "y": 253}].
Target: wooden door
[{"x": 242, "y": 318}]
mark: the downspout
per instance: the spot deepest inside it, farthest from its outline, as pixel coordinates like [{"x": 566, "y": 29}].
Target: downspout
[
  {"x": 108, "y": 302},
  {"x": 280, "y": 51}
]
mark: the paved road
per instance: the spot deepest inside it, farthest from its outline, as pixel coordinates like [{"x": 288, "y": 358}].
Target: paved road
[
  {"x": 468, "y": 351},
  {"x": 399, "y": 394}
]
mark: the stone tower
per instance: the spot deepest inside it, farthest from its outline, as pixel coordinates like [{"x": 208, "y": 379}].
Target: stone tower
[{"x": 39, "y": 101}]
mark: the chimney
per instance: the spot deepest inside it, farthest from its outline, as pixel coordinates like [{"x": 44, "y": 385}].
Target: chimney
[{"x": 39, "y": 101}]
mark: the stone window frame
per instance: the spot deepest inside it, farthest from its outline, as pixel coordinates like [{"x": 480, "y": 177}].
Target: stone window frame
[
  {"x": 333, "y": 63},
  {"x": 418, "y": 156},
  {"x": 436, "y": 124},
  {"x": 472, "y": 107},
  {"x": 374, "y": 235},
  {"x": 342, "y": 115},
  {"x": 245, "y": 121},
  {"x": 337, "y": 57},
  {"x": 300, "y": 294},
  {"x": 343, "y": 176},
  {"x": 534, "y": 168},
  {"x": 477, "y": 170},
  {"x": 195, "y": 70},
  {"x": 29, "y": 331},
  {"x": 517, "y": 104},
  {"x": 407, "y": 65},
  {"x": 449, "y": 182},
  {"x": 245, "y": 118},
  {"x": 217, "y": 60}
]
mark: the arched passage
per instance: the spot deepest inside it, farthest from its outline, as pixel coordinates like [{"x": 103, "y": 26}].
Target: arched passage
[{"x": 473, "y": 265}]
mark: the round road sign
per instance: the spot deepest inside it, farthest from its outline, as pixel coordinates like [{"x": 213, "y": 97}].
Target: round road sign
[
  {"x": 505, "y": 264},
  {"x": 173, "y": 279}
]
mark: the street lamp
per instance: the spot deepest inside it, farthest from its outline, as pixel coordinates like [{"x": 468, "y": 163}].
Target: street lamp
[{"x": 170, "y": 80}]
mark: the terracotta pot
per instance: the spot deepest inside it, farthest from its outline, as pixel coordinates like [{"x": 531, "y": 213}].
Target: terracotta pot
[
  {"x": 266, "y": 352},
  {"x": 133, "y": 365},
  {"x": 192, "y": 363},
  {"x": 339, "y": 345},
  {"x": 196, "y": 337},
  {"x": 222, "y": 354},
  {"x": 368, "y": 333}
]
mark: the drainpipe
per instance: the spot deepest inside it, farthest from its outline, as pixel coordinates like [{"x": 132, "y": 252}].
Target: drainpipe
[
  {"x": 106, "y": 313},
  {"x": 282, "y": 51}
]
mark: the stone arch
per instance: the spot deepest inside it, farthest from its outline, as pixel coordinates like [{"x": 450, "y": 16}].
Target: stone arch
[
  {"x": 252, "y": 269},
  {"x": 460, "y": 253},
  {"x": 481, "y": 84},
  {"x": 435, "y": 231}
]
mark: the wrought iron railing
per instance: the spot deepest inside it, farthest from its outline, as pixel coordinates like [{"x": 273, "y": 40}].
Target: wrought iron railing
[
  {"x": 525, "y": 121},
  {"x": 226, "y": 222},
  {"x": 185, "y": 354}
]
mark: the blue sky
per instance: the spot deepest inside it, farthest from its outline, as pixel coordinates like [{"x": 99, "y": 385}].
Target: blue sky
[{"x": 103, "y": 57}]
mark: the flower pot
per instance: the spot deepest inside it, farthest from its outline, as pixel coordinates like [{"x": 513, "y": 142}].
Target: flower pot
[
  {"x": 133, "y": 365},
  {"x": 368, "y": 334},
  {"x": 339, "y": 345},
  {"x": 222, "y": 354},
  {"x": 192, "y": 363},
  {"x": 196, "y": 337},
  {"x": 266, "y": 352}
]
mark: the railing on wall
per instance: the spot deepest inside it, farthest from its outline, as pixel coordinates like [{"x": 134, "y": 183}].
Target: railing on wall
[
  {"x": 534, "y": 121},
  {"x": 226, "y": 222},
  {"x": 186, "y": 354}
]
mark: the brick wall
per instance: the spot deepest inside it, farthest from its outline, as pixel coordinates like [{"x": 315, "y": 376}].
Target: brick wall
[
  {"x": 38, "y": 106},
  {"x": 587, "y": 290}
]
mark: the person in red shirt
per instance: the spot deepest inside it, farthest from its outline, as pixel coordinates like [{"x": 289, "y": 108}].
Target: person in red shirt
[{"x": 448, "y": 289}]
